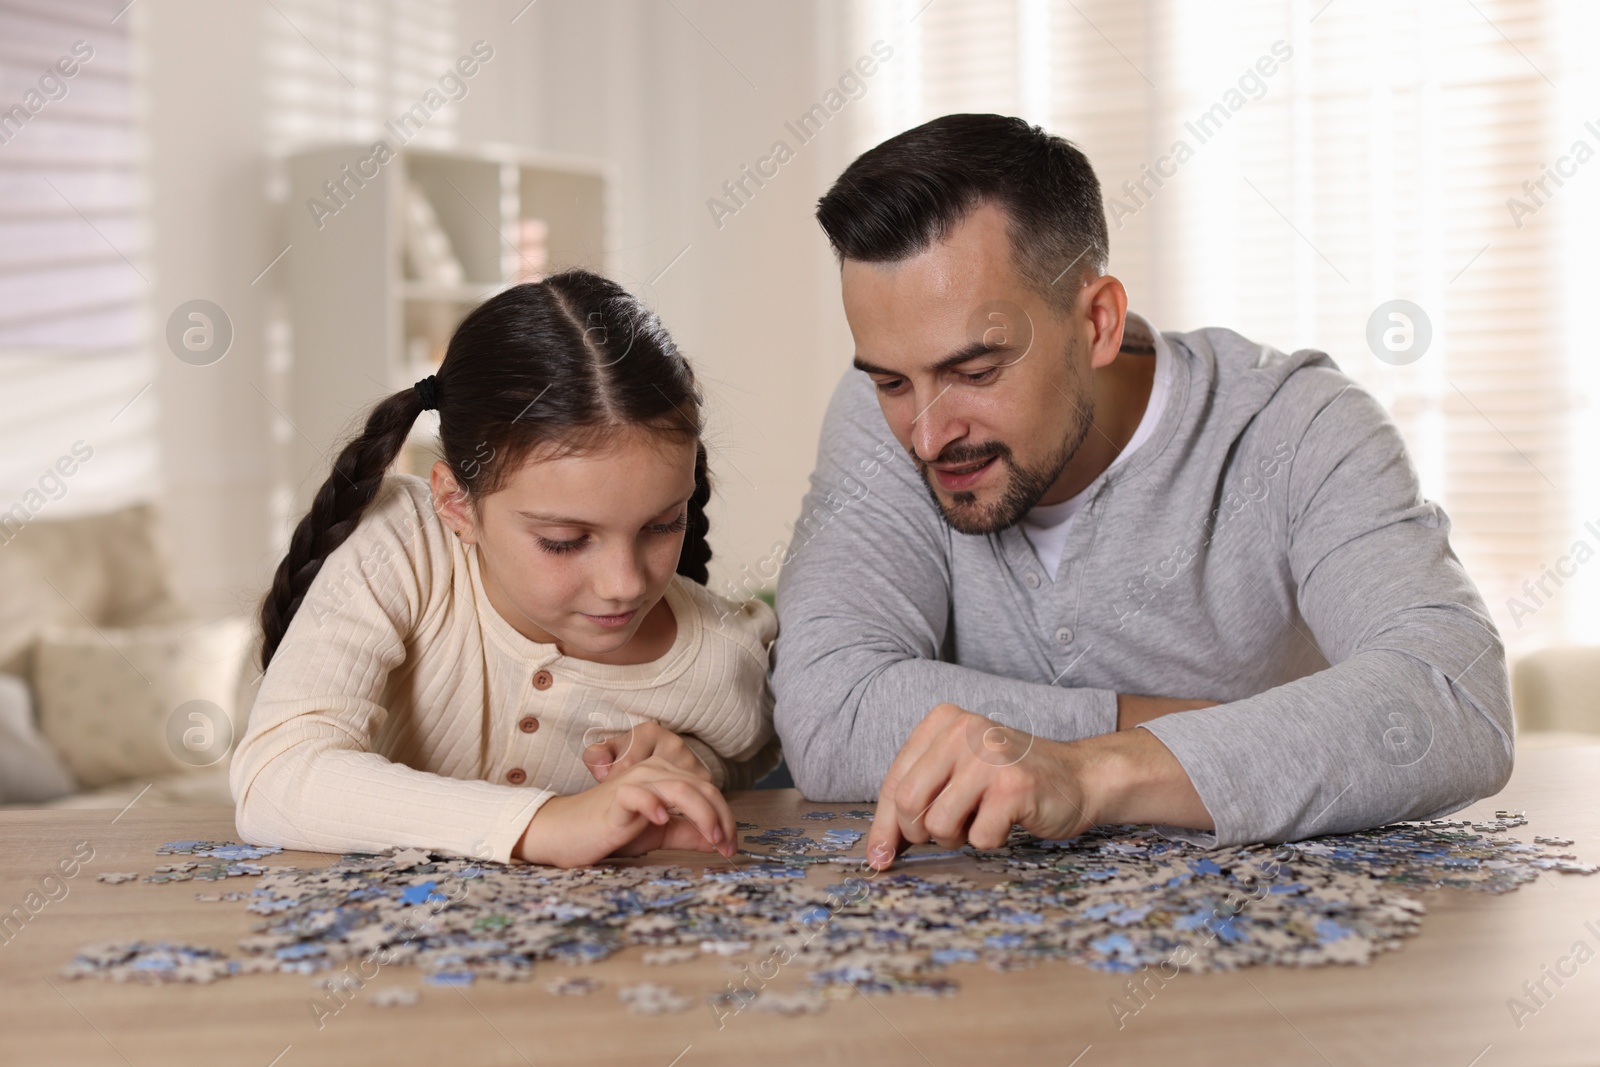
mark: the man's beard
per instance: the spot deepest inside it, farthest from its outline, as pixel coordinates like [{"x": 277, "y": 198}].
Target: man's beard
[{"x": 1023, "y": 488}]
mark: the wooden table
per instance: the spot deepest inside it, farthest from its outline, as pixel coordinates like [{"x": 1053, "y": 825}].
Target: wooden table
[{"x": 1440, "y": 1000}]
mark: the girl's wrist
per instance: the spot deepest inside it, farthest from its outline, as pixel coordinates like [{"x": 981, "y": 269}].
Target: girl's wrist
[
  {"x": 709, "y": 759},
  {"x": 537, "y": 843}
]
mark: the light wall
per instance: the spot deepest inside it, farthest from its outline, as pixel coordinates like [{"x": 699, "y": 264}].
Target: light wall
[
  {"x": 211, "y": 232},
  {"x": 754, "y": 303},
  {"x": 676, "y": 96}
]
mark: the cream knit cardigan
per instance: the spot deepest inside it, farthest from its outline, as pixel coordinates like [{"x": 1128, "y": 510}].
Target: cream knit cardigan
[{"x": 401, "y": 710}]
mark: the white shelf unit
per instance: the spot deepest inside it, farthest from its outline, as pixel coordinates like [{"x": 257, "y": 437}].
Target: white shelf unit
[{"x": 361, "y": 328}]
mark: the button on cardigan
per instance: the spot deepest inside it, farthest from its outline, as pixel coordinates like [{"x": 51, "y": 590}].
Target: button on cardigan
[{"x": 400, "y": 703}]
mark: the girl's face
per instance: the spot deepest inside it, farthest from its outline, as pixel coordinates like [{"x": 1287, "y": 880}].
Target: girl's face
[{"x": 576, "y": 549}]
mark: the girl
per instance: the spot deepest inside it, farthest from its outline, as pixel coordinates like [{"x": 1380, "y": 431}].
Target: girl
[{"x": 456, "y": 669}]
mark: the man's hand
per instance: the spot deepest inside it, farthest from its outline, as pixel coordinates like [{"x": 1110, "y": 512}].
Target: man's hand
[
  {"x": 962, "y": 778},
  {"x": 646, "y": 740}
]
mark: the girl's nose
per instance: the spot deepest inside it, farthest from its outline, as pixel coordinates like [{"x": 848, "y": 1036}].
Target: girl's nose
[{"x": 622, "y": 579}]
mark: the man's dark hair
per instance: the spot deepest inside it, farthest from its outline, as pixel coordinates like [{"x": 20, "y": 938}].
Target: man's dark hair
[{"x": 898, "y": 198}]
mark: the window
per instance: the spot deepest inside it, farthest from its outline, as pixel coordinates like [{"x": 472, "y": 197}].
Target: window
[
  {"x": 1411, "y": 149},
  {"x": 73, "y": 270},
  {"x": 338, "y": 72}
]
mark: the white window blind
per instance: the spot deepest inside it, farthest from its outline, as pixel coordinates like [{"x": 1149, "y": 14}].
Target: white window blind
[
  {"x": 338, "y": 72},
  {"x": 1374, "y": 163},
  {"x": 73, "y": 267}
]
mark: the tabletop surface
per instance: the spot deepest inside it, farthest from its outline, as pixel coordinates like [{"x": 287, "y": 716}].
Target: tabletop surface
[{"x": 1442, "y": 999}]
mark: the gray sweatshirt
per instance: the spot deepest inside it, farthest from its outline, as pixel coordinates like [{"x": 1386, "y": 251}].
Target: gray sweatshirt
[{"x": 1267, "y": 547}]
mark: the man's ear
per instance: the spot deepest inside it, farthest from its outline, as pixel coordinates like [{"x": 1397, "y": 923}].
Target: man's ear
[
  {"x": 1104, "y": 302},
  {"x": 452, "y": 503}
]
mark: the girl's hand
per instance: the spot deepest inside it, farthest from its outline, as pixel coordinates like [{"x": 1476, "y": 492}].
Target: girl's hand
[
  {"x": 646, "y": 740},
  {"x": 630, "y": 813}
]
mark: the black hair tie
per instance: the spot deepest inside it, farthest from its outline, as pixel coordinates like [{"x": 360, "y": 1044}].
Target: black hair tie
[{"x": 428, "y": 392}]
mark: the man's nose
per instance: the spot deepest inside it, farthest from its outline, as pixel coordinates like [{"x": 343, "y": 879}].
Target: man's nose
[{"x": 934, "y": 427}]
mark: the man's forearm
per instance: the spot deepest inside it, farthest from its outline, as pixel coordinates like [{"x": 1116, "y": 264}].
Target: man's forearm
[
  {"x": 1378, "y": 738},
  {"x": 1131, "y": 777},
  {"x": 1136, "y": 710}
]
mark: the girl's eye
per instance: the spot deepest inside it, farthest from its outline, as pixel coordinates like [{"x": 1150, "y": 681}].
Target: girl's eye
[
  {"x": 560, "y": 547},
  {"x": 677, "y": 525}
]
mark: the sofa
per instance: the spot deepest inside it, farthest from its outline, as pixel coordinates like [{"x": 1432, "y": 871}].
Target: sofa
[{"x": 110, "y": 688}]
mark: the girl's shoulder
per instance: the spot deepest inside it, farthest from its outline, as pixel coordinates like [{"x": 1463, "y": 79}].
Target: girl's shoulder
[
  {"x": 750, "y": 624},
  {"x": 403, "y": 496},
  {"x": 401, "y": 521},
  {"x": 397, "y": 563},
  {"x": 403, "y": 505}
]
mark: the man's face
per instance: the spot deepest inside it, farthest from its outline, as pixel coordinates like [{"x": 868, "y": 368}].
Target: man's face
[{"x": 983, "y": 384}]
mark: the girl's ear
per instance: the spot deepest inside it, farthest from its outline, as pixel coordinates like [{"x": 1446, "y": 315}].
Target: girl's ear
[{"x": 452, "y": 503}]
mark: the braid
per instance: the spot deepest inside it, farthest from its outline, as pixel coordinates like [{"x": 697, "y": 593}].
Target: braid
[
  {"x": 335, "y": 512},
  {"x": 616, "y": 365},
  {"x": 696, "y": 549}
]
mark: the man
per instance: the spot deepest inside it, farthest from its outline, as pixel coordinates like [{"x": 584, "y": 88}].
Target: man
[{"x": 1058, "y": 569}]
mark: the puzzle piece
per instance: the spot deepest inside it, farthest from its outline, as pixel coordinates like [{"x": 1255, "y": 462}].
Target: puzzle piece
[
  {"x": 409, "y": 858},
  {"x": 219, "y": 850},
  {"x": 1115, "y": 899},
  {"x": 648, "y": 998},
  {"x": 573, "y": 987},
  {"x": 791, "y": 841},
  {"x": 800, "y": 1002},
  {"x": 150, "y": 962}
]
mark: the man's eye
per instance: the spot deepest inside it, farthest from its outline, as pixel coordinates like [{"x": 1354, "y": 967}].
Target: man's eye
[
  {"x": 892, "y": 387},
  {"x": 979, "y": 377}
]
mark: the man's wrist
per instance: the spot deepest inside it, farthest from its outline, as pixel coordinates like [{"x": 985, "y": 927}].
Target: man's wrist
[
  {"x": 1131, "y": 777},
  {"x": 1102, "y": 767}
]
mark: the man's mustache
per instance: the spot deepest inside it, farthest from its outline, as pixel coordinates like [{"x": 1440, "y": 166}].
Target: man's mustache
[{"x": 964, "y": 454}]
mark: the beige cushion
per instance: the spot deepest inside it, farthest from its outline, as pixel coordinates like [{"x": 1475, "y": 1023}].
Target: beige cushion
[
  {"x": 141, "y": 702},
  {"x": 106, "y": 570},
  {"x": 1558, "y": 689},
  {"x": 189, "y": 789},
  {"x": 30, "y": 770}
]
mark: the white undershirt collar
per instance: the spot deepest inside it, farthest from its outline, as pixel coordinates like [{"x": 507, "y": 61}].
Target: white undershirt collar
[{"x": 1048, "y": 525}]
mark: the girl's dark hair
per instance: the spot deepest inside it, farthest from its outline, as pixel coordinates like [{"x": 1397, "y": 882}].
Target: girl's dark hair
[
  {"x": 565, "y": 362},
  {"x": 896, "y": 199}
]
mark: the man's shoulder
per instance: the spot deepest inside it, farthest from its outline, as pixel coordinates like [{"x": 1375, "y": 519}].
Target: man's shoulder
[
  {"x": 1232, "y": 358},
  {"x": 1256, "y": 383},
  {"x": 854, "y": 407}
]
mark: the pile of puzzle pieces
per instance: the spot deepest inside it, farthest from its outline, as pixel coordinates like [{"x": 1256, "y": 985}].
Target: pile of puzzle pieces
[{"x": 1114, "y": 899}]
